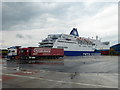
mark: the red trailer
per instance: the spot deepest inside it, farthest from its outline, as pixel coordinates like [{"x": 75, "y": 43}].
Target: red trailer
[
  {"x": 38, "y": 53},
  {"x": 105, "y": 52}
]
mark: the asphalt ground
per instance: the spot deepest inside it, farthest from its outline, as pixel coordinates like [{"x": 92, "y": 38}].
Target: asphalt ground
[{"x": 67, "y": 72}]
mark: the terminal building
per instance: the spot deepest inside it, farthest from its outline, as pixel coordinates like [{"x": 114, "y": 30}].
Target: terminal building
[
  {"x": 3, "y": 53},
  {"x": 115, "y": 49}
]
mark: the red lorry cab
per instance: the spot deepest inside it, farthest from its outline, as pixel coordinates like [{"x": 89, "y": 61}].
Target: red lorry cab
[{"x": 23, "y": 51}]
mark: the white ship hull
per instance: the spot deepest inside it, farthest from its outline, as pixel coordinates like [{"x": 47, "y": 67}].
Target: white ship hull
[{"x": 74, "y": 49}]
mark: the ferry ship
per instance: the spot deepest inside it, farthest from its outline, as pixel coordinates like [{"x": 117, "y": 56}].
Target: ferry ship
[{"x": 74, "y": 45}]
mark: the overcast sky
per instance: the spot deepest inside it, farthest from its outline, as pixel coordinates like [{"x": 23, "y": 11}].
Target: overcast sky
[{"x": 27, "y": 23}]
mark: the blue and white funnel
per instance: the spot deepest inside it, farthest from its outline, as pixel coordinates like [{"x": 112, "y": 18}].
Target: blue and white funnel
[{"x": 74, "y": 32}]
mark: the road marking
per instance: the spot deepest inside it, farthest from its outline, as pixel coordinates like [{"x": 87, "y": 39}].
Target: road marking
[
  {"x": 85, "y": 84},
  {"x": 4, "y": 67}
]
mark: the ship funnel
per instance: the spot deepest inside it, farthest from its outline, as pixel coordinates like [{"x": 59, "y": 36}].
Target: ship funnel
[{"x": 74, "y": 32}]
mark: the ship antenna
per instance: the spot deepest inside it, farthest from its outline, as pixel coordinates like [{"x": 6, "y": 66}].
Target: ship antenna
[{"x": 96, "y": 37}]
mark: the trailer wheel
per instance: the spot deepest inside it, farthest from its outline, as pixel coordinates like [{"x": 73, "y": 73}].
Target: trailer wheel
[
  {"x": 26, "y": 57},
  {"x": 57, "y": 57}
]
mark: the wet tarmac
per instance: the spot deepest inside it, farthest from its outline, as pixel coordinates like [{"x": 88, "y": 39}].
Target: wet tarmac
[{"x": 67, "y": 72}]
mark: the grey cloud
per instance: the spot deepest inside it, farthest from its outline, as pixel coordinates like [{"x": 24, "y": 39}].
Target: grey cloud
[
  {"x": 29, "y": 15},
  {"x": 19, "y": 36},
  {"x": 17, "y": 13},
  {"x": 29, "y": 36},
  {"x": 0, "y": 16},
  {"x": 23, "y": 15},
  {"x": 23, "y": 36}
]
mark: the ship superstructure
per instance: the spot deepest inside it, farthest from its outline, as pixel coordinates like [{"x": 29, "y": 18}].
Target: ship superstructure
[{"x": 74, "y": 45}]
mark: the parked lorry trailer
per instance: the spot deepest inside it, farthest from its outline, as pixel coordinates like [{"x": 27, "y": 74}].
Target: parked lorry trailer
[
  {"x": 36, "y": 53},
  {"x": 39, "y": 53},
  {"x": 105, "y": 52}
]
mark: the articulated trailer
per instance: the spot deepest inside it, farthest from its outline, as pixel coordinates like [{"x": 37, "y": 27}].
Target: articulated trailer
[
  {"x": 36, "y": 53},
  {"x": 40, "y": 53}
]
